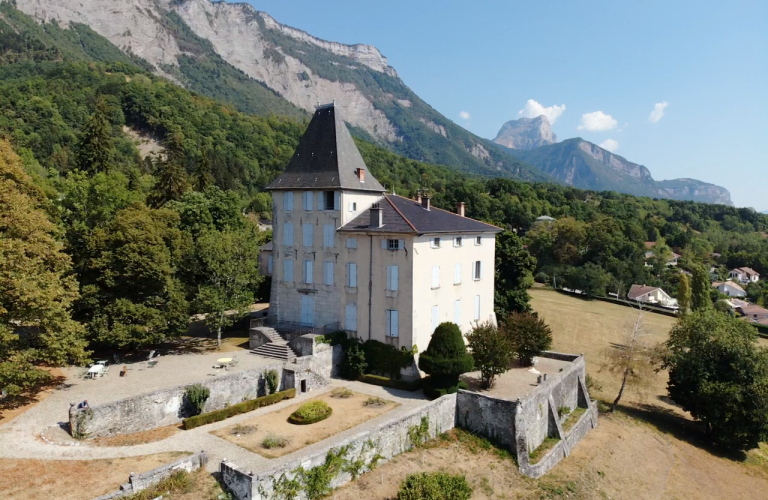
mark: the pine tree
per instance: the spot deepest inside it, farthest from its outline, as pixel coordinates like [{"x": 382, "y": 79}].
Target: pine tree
[
  {"x": 203, "y": 177},
  {"x": 171, "y": 177},
  {"x": 700, "y": 286},
  {"x": 95, "y": 147},
  {"x": 684, "y": 293}
]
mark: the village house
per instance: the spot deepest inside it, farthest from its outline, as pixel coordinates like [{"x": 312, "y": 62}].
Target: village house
[
  {"x": 729, "y": 288},
  {"x": 649, "y": 254},
  {"x": 348, "y": 256},
  {"x": 744, "y": 275},
  {"x": 651, "y": 295},
  {"x": 753, "y": 313}
]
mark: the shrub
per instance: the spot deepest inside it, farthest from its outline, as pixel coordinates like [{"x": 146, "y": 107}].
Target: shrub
[
  {"x": 373, "y": 401},
  {"x": 274, "y": 441},
  {"x": 541, "y": 277},
  {"x": 231, "y": 411},
  {"x": 491, "y": 351},
  {"x": 390, "y": 382},
  {"x": 528, "y": 335},
  {"x": 342, "y": 392},
  {"x": 353, "y": 366},
  {"x": 384, "y": 359},
  {"x": 196, "y": 396},
  {"x": 434, "y": 486},
  {"x": 446, "y": 356},
  {"x": 243, "y": 430},
  {"x": 272, "y": 379},
  {"x": 311, "y": 412},
  {"x": 434, "y": 392},
  {"x": 563, "y": 410}
]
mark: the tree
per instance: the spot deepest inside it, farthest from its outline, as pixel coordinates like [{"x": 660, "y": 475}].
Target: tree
[
  {"x": 37, "y": 288},
  {"x": 95, "y": 147},
  {"x": 171, "y": 177},
  {"x": 131, "y": 295},
  {"x": 203, "y": 177},
  {"x": 491, "y": 351},
  {"x": 528, "y": 335},
  {"x": 590, "y": 278},
  {"x": 632, "y": 360},
  {"x": 719, "y": 375},
  {"x": 514, "y": 274},
  {"x": 229, "y": 268},
  {"x": 684, "y": 293},
  {"x": 446, "y": 356},
  {"x": 700, "y": 289}
]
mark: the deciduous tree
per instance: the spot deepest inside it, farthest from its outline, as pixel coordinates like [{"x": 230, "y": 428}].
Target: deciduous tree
[
  {"x": 95, "y": 147},
  {"x": 528, "y": 334},
  {"x": 684, "y": 293},
  {"x": 700, "y": 289},
  {"x": 491, "y": 351},
  {"x": 514, "y": 274}
]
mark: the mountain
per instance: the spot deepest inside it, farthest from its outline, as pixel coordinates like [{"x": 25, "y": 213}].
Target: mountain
[
  {"x": 223, "y": 50},
  {"x": 581, "y": 164},
  {"x": 526, "y": 133}
]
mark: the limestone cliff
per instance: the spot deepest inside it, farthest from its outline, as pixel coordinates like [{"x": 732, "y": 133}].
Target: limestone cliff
[{"x": 526, "y": 133}]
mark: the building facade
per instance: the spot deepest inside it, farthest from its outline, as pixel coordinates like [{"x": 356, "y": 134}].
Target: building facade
[{"x": 383, "y": 267}]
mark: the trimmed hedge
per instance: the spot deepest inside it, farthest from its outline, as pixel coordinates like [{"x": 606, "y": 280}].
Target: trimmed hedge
[
  {"x": 310, "y": 413},
  {"x": 413, "y": 385},
  {"x": 432, "y": 392},
  {"x": 231, "y": 411}
]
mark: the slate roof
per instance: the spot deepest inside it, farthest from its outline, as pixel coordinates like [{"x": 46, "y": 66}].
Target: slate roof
[
  {"x": 326, "y": 157},
  {"x": 403, "y": 215},
  {"x": 639, "y": 290}
]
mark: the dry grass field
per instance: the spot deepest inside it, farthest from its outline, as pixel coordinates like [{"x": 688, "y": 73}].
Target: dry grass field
[{"x": 71, "y": 479}]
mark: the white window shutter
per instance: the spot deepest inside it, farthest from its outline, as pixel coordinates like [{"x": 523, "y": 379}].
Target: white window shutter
[
  {"x": 269, "y": 264},
  {"x": 477, "y": 307},
  {"x": 288, "y": 271},
  {"x": 288, "y": 201},
  {"x": 435, "y": 276},
  {"x": 321, "y": 201},
  {"x": 328, "y": 273},
  {"x": 388, "y": 323},
  {"x": 457, "y": 274},
  {"x": 481, "y": 269},
  {"x": 352, "y": 275},
  {"x": 435, "y": 317},
  {"x": 395, "y": 323},
  {"x": 395, "y": 278},
  {"x": 308, "y": 272},
  {"x": 336, "y": 200},
  {"x": 350, "y": 318},
  {"x": 401, "y": 245},
  {"x": 384, "y": 244},
  {"x": 328, "y": 235},
  {"x": 288, "y": 234}
]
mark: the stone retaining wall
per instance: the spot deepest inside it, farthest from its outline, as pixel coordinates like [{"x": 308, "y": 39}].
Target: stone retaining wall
[
  {"x": 139, "y": 482},
  {"x": 165, "y": 407},
  {"x": 488, "y": 417},
  {"x": 380, "y": 444}
]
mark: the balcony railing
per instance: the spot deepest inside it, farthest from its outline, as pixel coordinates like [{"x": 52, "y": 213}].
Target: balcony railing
[{"x": 294, "y": 329}]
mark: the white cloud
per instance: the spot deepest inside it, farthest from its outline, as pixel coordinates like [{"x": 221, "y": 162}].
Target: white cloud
[
  {"x": 610, "y": 145},
  {"x": 658, "y": 112},
  {"x": 597, "y": 121},
  {"x": 464, "y": 115},
  {"x": 532, "y": 109}
]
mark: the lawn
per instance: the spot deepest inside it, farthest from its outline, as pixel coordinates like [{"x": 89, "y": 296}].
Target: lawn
[
  {"x": 30, "y": 479},
  {"x": 283, "y": 437}
]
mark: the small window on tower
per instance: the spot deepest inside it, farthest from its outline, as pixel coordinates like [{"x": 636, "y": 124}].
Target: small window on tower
[
  {"x": 393, "y": 244},
  {"x": 329, "y": 200}
]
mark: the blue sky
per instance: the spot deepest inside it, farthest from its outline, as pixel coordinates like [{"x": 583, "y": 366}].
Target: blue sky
[{"x": 707, "y": 60}]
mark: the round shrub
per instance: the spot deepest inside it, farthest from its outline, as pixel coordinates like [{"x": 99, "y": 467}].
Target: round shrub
[
  {"x": 434, "y": 486},
  {"x": 541, "y": 277},
  {"x": 311, "y": 412},
  {"x": 446, "y": 356}
]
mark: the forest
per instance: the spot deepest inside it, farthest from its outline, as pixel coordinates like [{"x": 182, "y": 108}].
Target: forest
[{"x": 104, "y": 247}]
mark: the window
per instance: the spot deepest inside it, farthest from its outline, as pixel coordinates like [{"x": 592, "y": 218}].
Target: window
[
  {"x": 353, "y": 206},
  {"x": 435, "y": 243},
  {"x": 308, "y": 272},
  {"x": 457, "y": 274},
  {"x": 269, "y": 264},
  {"x": 308, "y": 232},
  {"x": 395, "y": 244},
  {"x": 457, "y": 312},
  {"x": 288, "y": 201},
  {"x": 392, "y": 323},
  {"x": 351, "y": 242},
  {"x": 435, "y": 276},
  {"x": 477, "y": 308},
  {"x": 288, "y": 234},
  {"x": 329, "y": 234},
  {"x": 352, "y": 275},
  {"x": 328, "y": 273},
  {"x": 392, "y": 278},
  {"x": 350, "y": 318},
  {"x": 330, "y": 197},
  {"x": 457, "y": 241},
  {"x": 435, "y": 317},
  {"x": 478, "y": 240},
  {"x": 308, "y": 199},
  {"x": 477, "y": 270},
  {"x": 288, "y": 271}
]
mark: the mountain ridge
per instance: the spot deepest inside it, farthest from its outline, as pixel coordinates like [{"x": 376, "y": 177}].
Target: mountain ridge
[{"x": 526, "y": 133}]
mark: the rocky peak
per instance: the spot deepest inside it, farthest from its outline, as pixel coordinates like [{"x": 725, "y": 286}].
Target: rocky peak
[{"x": 526, "y": 133}]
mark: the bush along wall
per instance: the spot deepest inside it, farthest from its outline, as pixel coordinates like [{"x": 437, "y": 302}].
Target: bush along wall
[
  {"x": 391, "y": 382},
  {"x": 231, "y": 411}
]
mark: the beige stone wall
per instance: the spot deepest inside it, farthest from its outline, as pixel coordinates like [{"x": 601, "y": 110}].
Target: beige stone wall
[{"x": 444, "y": 297}]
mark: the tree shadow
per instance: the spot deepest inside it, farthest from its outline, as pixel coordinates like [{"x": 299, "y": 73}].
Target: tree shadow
[
  {"x": 669, "y": 422},
  {"x": 33, "y": 395}
]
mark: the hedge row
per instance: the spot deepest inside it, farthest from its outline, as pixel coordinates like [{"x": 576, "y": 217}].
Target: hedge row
[
  {"x": 231, "y": 411},
  {"x": 295, "y": 419},
  {"x": 391, "y": 382}
]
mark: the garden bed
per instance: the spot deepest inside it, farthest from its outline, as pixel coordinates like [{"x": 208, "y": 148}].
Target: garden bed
[
  {"x": 572, "y": 419},
  {"x": 282, "y": 437}
]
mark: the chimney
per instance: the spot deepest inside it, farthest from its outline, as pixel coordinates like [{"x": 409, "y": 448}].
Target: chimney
[
  {"x": 375, "y": 216},
  {"x": 425, "y": 202},
  {"x": 460, "y": 209},
  {"x": 361, "y": 174},
  {"x": 418, "y": 197}
]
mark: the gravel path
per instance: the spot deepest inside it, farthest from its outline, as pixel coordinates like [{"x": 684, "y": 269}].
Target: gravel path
[{"x": 20, "y": 438}]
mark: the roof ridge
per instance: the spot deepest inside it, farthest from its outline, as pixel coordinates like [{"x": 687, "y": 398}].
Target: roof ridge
[
  {"x": 449, "y": 212},
  {"x": 386, "y": 197}
]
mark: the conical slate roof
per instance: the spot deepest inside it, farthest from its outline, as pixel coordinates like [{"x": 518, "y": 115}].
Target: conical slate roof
[{"x": 326, "y": 158}]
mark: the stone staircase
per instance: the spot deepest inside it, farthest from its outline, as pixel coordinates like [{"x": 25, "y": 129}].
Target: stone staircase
[{"x": 277, "y": 347}]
